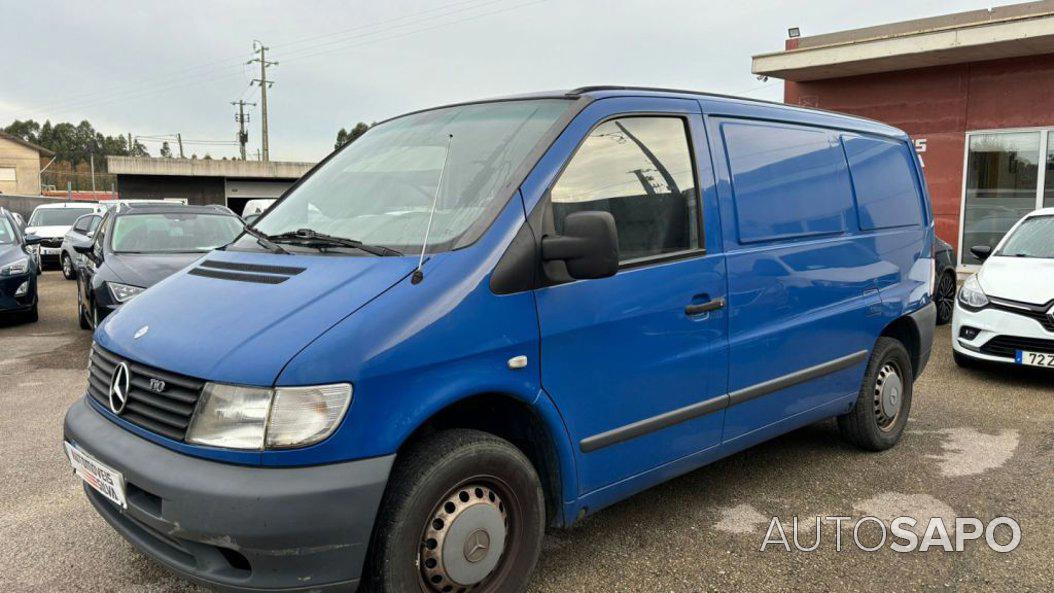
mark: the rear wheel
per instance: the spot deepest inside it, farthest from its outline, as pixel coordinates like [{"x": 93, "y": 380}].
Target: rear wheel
[
  {"x": 464, "y": 511},
  {"x": 68, "y": 272},
  {"x": 878, "y": 419},
  {"x": 945, "y": 298}
]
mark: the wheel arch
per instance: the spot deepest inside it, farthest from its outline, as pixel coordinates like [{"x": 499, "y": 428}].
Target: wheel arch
[
  {"x": 906, "y": 331},
  {"x": 537, "y": 432}
]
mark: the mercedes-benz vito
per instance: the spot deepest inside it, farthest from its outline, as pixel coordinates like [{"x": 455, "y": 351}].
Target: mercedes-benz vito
[{"x": 481, "y": 320}]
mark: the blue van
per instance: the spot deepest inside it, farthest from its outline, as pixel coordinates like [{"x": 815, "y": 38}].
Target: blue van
[{"x": 482, "y": 320}]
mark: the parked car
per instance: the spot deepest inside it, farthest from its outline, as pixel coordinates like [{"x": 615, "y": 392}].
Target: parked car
[
  {"x": 18, "y": 271},
  {"x": 1005, "y": 312},
  {"x": 480, "y": 320},
  {"x": 257, "y": 206},
  {"x": 138, "y": 245},
  {"x": 947, "y": 281},
  {"x": 51, "y": 222},
  {"x": 20, "y": 222},
  {"x": 82, "y": 231}
]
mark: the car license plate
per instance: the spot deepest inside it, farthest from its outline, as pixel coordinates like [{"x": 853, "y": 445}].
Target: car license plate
[
  {"x": 105, "y": 481},
  {"x": 1035, "y": 359}
]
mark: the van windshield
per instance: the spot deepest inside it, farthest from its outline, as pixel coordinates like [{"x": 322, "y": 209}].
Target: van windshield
[
  {"x": 1031, "y": 239},
  {"x": 379, "y": 190}
]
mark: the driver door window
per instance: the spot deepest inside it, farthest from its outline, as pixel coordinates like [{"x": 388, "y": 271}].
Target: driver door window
[{"x": 640, "y": 170}]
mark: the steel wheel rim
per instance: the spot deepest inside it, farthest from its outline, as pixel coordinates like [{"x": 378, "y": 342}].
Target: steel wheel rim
[
  {"x": 430, "y": 561},
  {"x": 888, "y": 400},
  {"x": 946, "y": 297}
]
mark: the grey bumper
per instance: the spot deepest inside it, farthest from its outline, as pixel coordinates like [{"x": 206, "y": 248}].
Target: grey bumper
[
  {"x": 234, "y": 527},
  {"x": 925, "y": 320}
]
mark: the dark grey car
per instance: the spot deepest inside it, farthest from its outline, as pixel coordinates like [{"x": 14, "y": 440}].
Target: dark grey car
[{"x": 138, "y": 245}]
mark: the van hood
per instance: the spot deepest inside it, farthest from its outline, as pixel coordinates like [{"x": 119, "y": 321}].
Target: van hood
[
  {"x": 147, "y": 269},
  {"x": 238, "y": 317},
  {"x": 48, "y": 232},
  {"x": 1022, "y": 279}
]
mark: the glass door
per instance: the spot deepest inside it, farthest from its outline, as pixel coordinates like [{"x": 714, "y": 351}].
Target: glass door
[{"x": 1003, "y": 179}]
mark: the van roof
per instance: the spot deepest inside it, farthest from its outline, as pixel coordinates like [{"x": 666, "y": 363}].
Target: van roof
[{"x": 832, "y": 118}]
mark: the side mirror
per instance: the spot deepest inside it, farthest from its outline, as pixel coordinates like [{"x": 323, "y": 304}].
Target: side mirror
[
  {"x": 83, "y": 247},
  {"x": 33, "y": 240},
  {"x": 981, "y": 252},
  {"x": 588, "y": 247}
]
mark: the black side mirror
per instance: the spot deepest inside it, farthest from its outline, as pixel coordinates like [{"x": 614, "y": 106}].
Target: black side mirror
[
  {"x": 981, "y": 252},
  {"x": 588, "y": 247},
  {"x": 33, "y": 240},
  {"x": 83, "y": 247}
]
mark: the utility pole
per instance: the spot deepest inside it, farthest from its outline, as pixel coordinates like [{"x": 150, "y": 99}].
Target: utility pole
[
  {"x": 264, "y": 84},
  {"x": 242, "y": 118},
  {"x": 179, "y": 138},
  {"x": 131, "y": 145},
  {"x": 92, "y": 157}
]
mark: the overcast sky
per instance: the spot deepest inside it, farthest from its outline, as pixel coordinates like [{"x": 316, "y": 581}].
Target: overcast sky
[{"x": 155, "y": 68}]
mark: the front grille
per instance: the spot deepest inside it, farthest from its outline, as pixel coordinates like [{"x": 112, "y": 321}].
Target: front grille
[
  {"x": 1040, "y": 313},
  {"x": 1007, "y": 346},
  {"x": 52, "y": 242},
  {"x": 166, "y": 412}
]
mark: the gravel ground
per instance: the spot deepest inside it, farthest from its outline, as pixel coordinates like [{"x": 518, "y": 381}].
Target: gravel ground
[{"x": 980, "y": 444}]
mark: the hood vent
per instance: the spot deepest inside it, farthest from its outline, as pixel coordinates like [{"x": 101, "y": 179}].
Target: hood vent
[{"x": 256, "y": 273}]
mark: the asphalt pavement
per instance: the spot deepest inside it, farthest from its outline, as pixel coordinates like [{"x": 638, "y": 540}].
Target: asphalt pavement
[{"x": 980, "y": 444}]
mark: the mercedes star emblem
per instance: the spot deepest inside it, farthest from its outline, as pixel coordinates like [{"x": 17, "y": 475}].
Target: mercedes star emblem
[{"x": 120, "y": 382}]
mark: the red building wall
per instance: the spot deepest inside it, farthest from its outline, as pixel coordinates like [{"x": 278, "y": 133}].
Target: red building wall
[{"x": 937, "y": 106}]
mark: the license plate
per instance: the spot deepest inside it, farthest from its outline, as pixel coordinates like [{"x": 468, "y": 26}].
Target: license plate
[
  {"x": 105, "y": 481},
  {"x": 1035, "y": 359}
]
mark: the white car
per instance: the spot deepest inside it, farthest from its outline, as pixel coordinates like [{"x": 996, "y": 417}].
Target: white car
[
  {"x": 1005, "y": 312},
  {"x": 51, "y": 222}
]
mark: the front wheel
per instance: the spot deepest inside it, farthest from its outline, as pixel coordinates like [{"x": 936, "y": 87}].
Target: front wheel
[
  {"x": 878, "y": 419},
  {"x": 68, "y": 271},
  {"x": 463, "y": 511},
  {"x": 945, "y": 298}
]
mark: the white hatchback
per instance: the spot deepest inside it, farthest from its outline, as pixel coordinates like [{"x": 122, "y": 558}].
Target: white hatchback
[{"x": 1005, "y": 312}]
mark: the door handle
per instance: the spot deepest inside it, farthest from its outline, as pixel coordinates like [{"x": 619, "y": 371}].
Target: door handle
[{"x": 706, "y": 307}]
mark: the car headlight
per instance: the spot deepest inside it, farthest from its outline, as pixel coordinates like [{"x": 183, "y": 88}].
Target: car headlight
[
  {"x": 123, "y": 292},
  {"x": 15, "y": 268},
  {"x": 32, "y": 249},
  {"x": 971, "y": 295},
  {"x": 237, "y": 417}
]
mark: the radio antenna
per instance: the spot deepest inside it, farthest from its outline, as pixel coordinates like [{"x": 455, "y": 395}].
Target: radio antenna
[{"x": 419, "y": 274}]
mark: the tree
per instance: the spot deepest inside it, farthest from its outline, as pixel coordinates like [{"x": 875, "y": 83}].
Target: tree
[
  {"x": 166, "y": 151},
  {"x": 74, "y": 144},
  {"x": 346, "y": 137}
]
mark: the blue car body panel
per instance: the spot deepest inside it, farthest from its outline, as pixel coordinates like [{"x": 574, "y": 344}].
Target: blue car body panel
[{"x": 816, "y": 282}]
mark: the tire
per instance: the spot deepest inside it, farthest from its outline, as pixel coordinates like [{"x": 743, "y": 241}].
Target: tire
[
  {"x": 878, "y": 419},
  {"x": 32, "y": 315},
  {"x": 965, "y": 362},
  {"x": 945, "y": 298},
  {"x": 82, "y": 317},
  {"x": 69, "y": 272},
  {"x": 422, "y": 535}
]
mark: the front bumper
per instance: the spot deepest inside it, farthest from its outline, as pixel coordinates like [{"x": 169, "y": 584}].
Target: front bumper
[
  {"x": 993, "y": 323},
  {"x": 234, "y": 527}
]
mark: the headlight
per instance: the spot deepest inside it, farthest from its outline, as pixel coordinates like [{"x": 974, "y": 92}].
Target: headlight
[
  {"x": 123, "y": 292},
  {"x": 32, "y": 249},
  {"x": 971, "y": 295},
  {"x": 15, "y": 268},
  {"x": 251, "y": 418}
]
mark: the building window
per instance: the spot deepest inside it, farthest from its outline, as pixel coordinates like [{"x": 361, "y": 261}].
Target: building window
[
  {"x": 1048, "y": 186},
  {"x": 1002, "y": 185},
  {"x": 7, "y": 174}
]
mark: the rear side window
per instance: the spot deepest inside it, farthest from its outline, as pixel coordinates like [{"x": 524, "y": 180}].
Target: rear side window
[
  {"x": 640, "y": 170},
  {"x": 887, "y": 194},
  {"x": 789, "y": 181}
]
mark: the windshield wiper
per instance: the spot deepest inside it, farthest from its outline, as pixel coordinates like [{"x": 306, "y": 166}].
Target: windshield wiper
[
  {"x": 312, "y": 238},
  {"x": 264, "y": 240}
]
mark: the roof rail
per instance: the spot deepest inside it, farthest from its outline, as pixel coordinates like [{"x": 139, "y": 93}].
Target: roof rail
[{"x": 615, "y": 87}]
